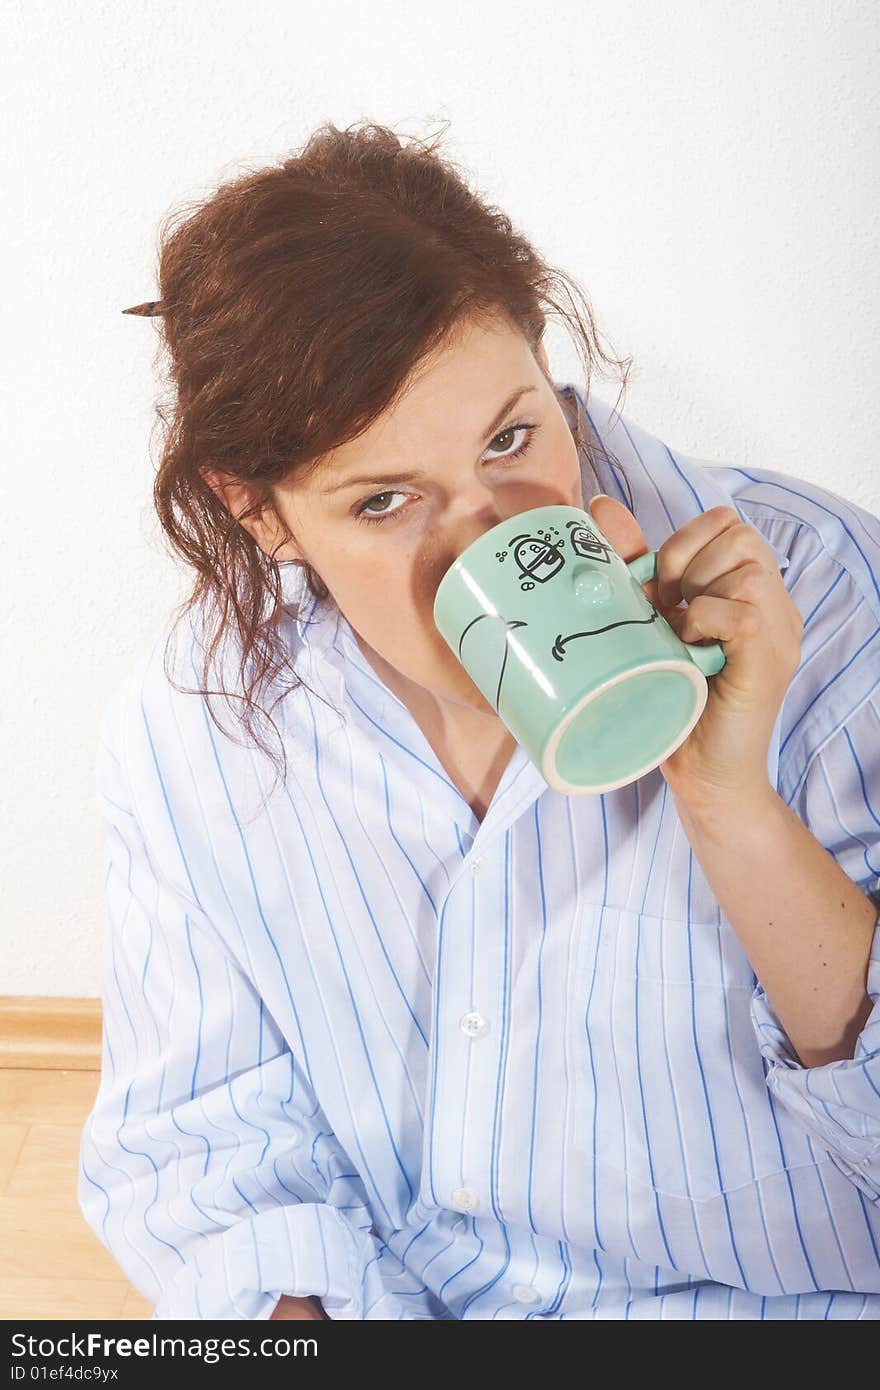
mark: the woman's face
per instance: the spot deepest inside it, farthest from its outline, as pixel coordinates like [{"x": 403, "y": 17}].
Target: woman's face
[{"x": 383, "y": 517}]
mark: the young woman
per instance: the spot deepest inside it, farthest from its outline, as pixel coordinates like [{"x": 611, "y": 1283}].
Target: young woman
[{"x": 403, "y": 1032}]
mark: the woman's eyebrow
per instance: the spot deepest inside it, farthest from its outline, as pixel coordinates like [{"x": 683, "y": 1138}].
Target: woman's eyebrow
[{"x": 414, "y": 475}]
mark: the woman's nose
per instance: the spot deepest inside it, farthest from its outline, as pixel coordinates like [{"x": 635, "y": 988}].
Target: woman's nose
[
  {"x": 470, "y": 527},
  {"x": 483, "y": 507}
]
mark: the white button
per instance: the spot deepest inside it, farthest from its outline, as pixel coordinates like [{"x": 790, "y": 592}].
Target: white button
[
  {"x": 463, "y": 1199},
  {"x": 524, "y": 1293},
  {"x": 477, "y": 866},
  {"x": 473, "y": 1024}
]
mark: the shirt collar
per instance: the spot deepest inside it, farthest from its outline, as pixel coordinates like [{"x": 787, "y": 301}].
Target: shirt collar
[{"x": 650, "y": 471}]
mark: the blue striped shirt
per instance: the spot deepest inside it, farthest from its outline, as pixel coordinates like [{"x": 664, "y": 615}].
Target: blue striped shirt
[{"x": 360, "y": 1044}]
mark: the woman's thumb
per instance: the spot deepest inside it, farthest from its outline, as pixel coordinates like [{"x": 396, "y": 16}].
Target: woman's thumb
[{"x": 618, "y": 526}]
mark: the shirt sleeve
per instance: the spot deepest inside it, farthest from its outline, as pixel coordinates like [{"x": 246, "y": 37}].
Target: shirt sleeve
[
  {"x": 839, "y": 1103},
  {"x": 207, "y": 1167}
]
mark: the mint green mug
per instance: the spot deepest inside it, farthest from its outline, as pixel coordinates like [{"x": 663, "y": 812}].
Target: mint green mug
[{"x": 556, "y": 631}]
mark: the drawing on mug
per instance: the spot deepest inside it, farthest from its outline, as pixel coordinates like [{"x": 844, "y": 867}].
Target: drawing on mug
[
  {"x": 586, "y": 542},
  {"x": 493, "y": 647},
  {"x": 492, "y": 643},
  {"x": 558, "y": 648},
  {"x": 539, "y": 557}
]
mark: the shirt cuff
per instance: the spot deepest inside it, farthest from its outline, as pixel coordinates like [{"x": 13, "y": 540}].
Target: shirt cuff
[
  {"x": 838, "y": 1103},
  {"x": 304, "y": 1249}
]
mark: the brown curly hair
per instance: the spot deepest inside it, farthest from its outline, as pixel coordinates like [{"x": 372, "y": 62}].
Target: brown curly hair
[{"x": 296, "y": 302}]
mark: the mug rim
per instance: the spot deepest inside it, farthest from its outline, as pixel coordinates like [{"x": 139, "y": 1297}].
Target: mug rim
[{"x": 547, "y": 764}]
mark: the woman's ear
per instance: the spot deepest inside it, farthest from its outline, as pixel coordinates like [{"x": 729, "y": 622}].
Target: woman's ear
[{"x": 237, "y": 497}]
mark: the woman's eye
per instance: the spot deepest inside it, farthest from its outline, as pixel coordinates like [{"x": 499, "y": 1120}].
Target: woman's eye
[
  {"x": 364, "y": 515},
  {"x": 365, "y": 511},
  {"x": 514, "y": 430}
]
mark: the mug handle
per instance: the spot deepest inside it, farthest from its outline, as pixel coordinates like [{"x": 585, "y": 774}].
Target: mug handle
[{"x": 709, "y": 658}]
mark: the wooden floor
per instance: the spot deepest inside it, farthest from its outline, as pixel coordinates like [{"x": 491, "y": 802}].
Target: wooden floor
[{"x": 53, "y": 1265}]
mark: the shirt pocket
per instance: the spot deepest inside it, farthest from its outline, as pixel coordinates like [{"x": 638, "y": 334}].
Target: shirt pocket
[{"x": 671, "y": 1079}]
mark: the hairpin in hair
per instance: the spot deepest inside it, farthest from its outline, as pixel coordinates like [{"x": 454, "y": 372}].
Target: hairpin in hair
[{"x": 152, "y": 306}]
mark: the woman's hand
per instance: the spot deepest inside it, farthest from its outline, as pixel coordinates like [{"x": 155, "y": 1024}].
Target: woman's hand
[
  {"x": 290, "y": 1309},
  {"x": 729, "y": 577}
]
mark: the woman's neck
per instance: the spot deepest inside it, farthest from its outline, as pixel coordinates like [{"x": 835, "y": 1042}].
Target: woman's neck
[{"x": 473, "y": 746}]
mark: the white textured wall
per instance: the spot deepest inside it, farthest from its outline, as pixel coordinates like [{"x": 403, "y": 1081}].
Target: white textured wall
[{"x": 707, "y": 171}]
